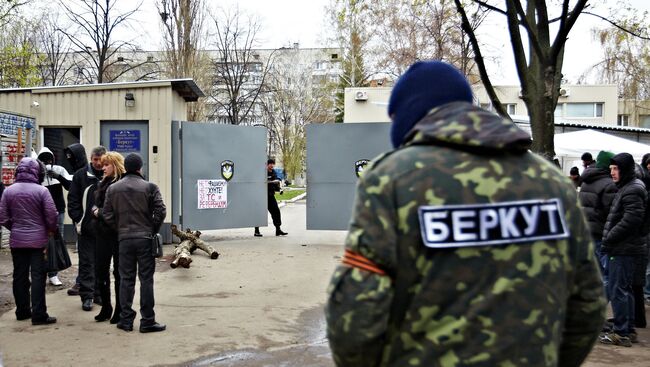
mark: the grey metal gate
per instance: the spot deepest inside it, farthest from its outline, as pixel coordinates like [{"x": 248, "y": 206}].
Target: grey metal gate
[
  {"x": 200, "y": 152},
  {"x": 334, "y": 152}
]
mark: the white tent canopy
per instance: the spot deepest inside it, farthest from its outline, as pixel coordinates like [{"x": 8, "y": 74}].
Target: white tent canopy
[{"x": 575, "y": 143}]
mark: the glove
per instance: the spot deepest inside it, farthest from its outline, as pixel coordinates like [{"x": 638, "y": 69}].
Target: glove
[{"x": 52, "y": 174}]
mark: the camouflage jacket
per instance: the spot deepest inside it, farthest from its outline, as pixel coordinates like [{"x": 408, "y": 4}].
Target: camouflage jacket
[{"x": 524, "y": 301}]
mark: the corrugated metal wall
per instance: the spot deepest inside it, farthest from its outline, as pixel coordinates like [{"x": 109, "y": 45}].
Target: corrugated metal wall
[{"x": 86, "y": 107}]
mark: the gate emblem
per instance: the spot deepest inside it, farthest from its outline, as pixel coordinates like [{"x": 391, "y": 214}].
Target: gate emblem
[
  {"x": 359, "y": 166},
  {"x": 227, "y": 170}
]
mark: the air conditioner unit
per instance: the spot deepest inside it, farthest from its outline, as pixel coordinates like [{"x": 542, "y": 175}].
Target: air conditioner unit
[
  {"x": 361, "y": 95},
  {"x": 565, "y": 92}
]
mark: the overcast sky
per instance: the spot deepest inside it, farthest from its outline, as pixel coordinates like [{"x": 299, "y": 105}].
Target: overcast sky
[{"x": 305, "y": 22}]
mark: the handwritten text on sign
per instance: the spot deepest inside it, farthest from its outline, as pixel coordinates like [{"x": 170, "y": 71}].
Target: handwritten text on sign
[{"x": 212, "y": 194}]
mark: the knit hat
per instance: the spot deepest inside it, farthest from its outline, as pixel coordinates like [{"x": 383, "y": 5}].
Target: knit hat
[
  {"x": 603, "y": 159},
  {"x": 424, "y": 86},
  {"x": 132, "y": 162}
]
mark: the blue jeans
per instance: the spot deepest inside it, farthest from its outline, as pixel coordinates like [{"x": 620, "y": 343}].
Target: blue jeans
[
  {"x": 59, "y": 221},
  {"x": 619, "y": 290},
  {"x": 602, "y": 259}
]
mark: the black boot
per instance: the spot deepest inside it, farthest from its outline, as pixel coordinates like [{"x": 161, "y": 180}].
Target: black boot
[
  {"x": 105, "y": 313},
  {"x": 257, "y": 232},
  {"x": 278, "y": 232}
]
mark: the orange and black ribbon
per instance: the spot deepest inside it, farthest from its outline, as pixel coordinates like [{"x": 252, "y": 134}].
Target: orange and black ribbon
[{"x": 356, "y": 260}]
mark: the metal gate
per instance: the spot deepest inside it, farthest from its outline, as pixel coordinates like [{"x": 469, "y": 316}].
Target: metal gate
[
  {"x": 335, "y": 153},
  {"x": 219, "y": 176}
]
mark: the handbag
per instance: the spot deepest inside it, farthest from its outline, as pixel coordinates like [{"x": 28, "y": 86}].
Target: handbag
[
  {"x": 156, "y": 245},
  {"x": 57, "y": 254}
]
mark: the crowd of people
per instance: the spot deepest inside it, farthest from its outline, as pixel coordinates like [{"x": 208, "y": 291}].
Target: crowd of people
[
  {"x": 613, "y": 191},
  {"x": 116, "y": 212}
]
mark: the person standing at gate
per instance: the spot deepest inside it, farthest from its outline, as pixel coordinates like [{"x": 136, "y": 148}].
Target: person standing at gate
[
  {"x": 28, "y": 211},
  {"x": 56, "y": 179},
  {"x": 464, "y": 247},
  {"x": 81, "y": 199},
  {"x": 135, "y": 209},
  {"x": 273, "y": 186}
]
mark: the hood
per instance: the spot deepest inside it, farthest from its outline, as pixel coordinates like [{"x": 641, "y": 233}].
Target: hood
[
  {"x": 625, "y": 163},
  {"x": 463, "y": 125},
  {"x": 30, "y": 170},
  {"x": 76, "y": 156},
  {"x": 44, "y": 154},
  {"x": 592, "y": 174},
  {"x": 645, "y": 160}
]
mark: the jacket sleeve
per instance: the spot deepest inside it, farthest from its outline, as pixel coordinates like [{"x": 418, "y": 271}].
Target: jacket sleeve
[
  {"x": 159, "y": 211},
  {"x": 64, "y": 177},
  {"x": 49, "y": 211},
  {"x": 5, "y": 215},
  {"x": 75, "y": 210},
  {"x": 607, "y": 198},
  {"x": 359, "y": 302},
  {"x": 633, "y": 206},
  {"x": 586, "y": 302},
  {"x": 108, "y": 211}
]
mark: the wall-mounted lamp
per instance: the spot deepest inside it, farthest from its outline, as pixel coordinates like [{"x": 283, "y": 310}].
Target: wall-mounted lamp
[{"x": 129, "y": 100}]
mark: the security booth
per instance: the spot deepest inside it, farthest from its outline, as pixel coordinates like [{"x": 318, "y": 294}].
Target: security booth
[{"x": 124, "y": 117}]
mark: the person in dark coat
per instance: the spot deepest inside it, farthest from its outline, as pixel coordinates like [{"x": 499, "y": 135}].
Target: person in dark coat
[
  {"x": 587, "y": 160},
  {"x": 597, "y": 192},
  {"x": 81, "y": 199},
  {"x": 623, "y": 241},
  {"x": 135, "y": 209},
  {"x": 28, "y": 211},
  {"x": 645, "y": 164},
  {"x": 273, "y": 186},
  {"x": 107, "y": 243}
]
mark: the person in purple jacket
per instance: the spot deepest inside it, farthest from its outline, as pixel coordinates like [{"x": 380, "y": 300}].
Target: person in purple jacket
[{"x": 28, "y": 211}]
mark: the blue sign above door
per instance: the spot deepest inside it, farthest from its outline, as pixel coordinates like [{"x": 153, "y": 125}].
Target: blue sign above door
[{"x": 124, "y": 141}]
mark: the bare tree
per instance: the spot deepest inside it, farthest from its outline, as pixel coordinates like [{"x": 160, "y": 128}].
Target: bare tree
[
  {"x": 103, "y": 57},
  {"x": 295, "y": 98},
  {"x": 539, "y": 69},
  {"x": 240, "y": 71},
  {"x": 408, "y": 31},
  {"x": 55, "y": 47},
  {"x": 184, "y": 31},
  {"x": 8, "y": 10}
]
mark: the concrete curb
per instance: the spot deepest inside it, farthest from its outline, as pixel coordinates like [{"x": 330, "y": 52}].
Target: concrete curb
[{"x": 299, "y": 197}]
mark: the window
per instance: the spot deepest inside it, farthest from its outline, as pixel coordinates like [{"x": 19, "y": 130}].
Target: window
[
  {"x": 321, "y": 65},
  {"x": 585, "y": 110},
  {"x": 335, "y": 56},
  {"x": 511, "y": 108},
  {"x": 558, "y": 110},
  {"x": 623, "y": 120},
  {"x": 644, "y": 121}
]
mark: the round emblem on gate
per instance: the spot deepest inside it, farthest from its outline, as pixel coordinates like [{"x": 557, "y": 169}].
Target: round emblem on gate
[
  {"x": 227, "y": 169},
  {"x": 360, "y": 165}
]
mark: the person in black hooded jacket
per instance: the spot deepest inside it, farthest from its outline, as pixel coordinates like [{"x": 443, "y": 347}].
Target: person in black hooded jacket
[
  {"x": 81, "y": 199},
  {"x": 596, "y": 194},
  {"x": 623, "y": 240}
]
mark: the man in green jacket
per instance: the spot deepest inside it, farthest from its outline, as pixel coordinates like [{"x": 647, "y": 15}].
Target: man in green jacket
[{"x": 464, "y": 248}]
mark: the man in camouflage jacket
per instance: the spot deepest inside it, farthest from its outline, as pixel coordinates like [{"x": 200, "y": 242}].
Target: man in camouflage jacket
[{"x": 464, "y": 247}]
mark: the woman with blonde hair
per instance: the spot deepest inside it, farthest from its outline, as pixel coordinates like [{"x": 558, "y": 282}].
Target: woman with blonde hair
[{"x": 107, "y": 244}]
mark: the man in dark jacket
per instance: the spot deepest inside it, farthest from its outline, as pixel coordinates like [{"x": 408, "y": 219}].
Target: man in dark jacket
[
  {"x": 464, "y": 247},
  {"x": 81, "y": 199},
  {"x": 273, "y": 186},
  {"x": 134, "y": 207},
  {"x": 623, "y": 240},
  {"x": 597, "y": 192}
]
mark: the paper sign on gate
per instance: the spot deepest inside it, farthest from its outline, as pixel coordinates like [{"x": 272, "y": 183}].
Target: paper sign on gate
[{"x": 213, "y": 194}]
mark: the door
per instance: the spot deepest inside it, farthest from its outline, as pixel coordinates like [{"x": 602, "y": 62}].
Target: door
[
  {"x": 127, "y": 137},
  {"x": 222, "y": 170},
  {"x": 335, "y": 154}
]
